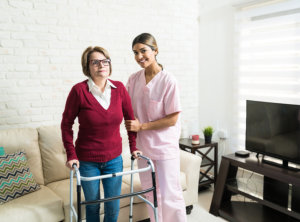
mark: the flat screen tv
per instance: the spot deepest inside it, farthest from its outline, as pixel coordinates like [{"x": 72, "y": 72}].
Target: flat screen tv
[{"x": 273, "y": 129}]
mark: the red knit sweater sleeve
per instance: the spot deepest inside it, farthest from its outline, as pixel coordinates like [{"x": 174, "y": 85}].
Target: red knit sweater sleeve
[
  {"x": 128, "y": 115},
  {"x": 70, "y": 113}
]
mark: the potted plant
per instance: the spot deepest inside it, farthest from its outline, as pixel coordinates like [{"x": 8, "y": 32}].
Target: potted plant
[{"x": 208, "y": 132}]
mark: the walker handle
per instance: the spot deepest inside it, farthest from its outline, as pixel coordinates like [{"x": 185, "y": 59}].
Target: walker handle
[
  {"x": 139, "y": 155},
  {"x": 74, "y": 166}
]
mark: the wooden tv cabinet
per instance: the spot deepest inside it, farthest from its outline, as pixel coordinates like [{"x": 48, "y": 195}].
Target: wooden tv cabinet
[{"x": 279, "y": 201}]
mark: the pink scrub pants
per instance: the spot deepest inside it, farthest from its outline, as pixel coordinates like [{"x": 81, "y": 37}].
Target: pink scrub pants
[{"x": 171, "y": 205}]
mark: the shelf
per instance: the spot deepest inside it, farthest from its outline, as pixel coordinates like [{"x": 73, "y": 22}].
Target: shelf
[
  {"x": 241, "y": 186},
  {"x": 250, "y": 188},
  {"x": 250, "y": 212},
  {"x": 206, "y": 162},
  {"x": 205, "y": 175},
  {"x": 204, "y": 183},
  {"x": 270, "y": 193}
]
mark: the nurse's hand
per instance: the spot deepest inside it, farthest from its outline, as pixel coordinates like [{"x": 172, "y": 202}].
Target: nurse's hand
[{"x": 133, "y": 125}]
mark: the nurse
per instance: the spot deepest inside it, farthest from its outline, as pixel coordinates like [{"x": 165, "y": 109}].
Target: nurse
[{"x": 155, "y": 101}]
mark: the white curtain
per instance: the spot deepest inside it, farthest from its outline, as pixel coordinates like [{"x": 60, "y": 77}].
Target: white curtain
[{"x": 267, "y": 57}]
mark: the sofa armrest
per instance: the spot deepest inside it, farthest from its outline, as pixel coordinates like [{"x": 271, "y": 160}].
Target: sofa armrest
[{"x": 190, "y": 165}]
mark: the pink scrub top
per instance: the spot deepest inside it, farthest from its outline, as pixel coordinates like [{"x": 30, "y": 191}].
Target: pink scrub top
[{"x": 160, "y": 97}]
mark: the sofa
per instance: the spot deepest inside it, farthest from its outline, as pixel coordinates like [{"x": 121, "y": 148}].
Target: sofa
[{"x": 46, "y": 159}]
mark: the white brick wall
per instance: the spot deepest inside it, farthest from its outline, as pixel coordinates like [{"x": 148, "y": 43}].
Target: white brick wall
[{"x": 41, "y": 42}]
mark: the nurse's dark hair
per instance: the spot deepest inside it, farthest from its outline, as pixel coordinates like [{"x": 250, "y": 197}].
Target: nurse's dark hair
[{"x": 147, "y": 39}]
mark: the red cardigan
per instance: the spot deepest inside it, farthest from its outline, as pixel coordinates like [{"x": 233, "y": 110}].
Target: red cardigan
[{"x": 99, "y": 137}]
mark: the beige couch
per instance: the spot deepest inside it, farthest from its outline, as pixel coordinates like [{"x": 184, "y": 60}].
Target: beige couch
[{"x": 46, "y": 159}]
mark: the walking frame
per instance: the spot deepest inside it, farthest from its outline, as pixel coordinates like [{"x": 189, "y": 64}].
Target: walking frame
[{"x": 131, "y": 194}]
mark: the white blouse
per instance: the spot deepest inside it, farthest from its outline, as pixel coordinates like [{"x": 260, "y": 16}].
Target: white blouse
[{"x": 102, "y": 98}]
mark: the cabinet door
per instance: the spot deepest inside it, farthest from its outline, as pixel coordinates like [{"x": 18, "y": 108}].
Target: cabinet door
[
  {"x": 296, "y": 199},
  {"x": 276, "y": 191}
]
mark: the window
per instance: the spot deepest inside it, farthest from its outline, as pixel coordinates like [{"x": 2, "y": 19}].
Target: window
[{"x": 267, "y": 57}]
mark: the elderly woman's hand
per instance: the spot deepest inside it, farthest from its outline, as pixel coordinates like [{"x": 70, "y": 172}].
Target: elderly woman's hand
[
  {"x": 71, "y": 162},
  {"x": 135, "y": 154}
]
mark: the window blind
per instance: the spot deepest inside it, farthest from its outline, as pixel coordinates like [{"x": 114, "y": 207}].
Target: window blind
[{"x": 267, "y": 57}]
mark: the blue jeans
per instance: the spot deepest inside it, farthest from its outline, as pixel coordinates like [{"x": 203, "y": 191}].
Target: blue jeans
[{"x": 111, "y": 186}]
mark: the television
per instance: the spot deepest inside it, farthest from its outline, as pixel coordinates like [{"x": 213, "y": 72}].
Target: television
[{"x": 273, "y": 130}]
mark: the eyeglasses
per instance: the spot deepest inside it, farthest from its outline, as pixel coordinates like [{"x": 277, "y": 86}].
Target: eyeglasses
[{"x": 96, "y": 62}]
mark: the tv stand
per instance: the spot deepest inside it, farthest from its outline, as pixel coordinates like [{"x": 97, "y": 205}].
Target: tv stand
[{"x": 279, "y": 201}]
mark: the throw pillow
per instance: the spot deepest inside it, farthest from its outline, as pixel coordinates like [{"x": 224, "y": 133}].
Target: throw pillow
[
  {"x": 15, "y": 177},
  {"x": 2, "y": 153}
]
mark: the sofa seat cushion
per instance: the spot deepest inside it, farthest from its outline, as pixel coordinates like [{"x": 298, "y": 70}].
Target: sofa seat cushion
[
  {"x": 26, "y": 140},
  {"x": 42, "y": 205},
  {"x": 137, "y": 184},
  {"x": 126, "y": 155},
  {"x": 140, "y": 212},
  {"x": 16, "y": 178},
  {"x": 62, "y": 189}
]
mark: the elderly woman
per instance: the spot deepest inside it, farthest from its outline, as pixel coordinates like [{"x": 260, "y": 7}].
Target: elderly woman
[{"x": 100, "y": 105}]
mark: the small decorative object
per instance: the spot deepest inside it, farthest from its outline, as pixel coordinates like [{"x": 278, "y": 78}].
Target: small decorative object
[
  {"x": 208, "y": 132},
  {"x": 195, "y": 139}
]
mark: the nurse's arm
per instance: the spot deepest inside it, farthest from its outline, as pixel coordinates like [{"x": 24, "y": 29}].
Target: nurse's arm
[{"x": 135, "y": 125}]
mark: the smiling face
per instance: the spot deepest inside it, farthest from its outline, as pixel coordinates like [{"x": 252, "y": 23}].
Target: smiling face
[
  {"x": 144, "y": 55},
  {"x": 98, "y": 69}
]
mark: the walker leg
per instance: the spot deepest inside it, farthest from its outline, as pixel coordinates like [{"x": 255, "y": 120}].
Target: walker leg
[
  {"x": 79, "y": 202},
  {"x": 154, "y": 197},
  {"x": 131, "y": 191},
  {"x": 71, "y": 195}
]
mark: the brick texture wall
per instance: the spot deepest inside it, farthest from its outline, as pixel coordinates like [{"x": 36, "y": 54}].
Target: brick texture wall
[{"x": 41, "y": 42}]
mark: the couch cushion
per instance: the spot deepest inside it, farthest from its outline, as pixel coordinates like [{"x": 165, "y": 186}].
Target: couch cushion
[
  {"x": 136, "y": 180},
  {"x": 140, "y": 212},
  {"x": 2, "y": 152},
  {"x": 126, "y": 155},
  {"x": 26, "y": 139},
  {"x": 15, "y": 177},
  {"x": 53, "y": 154},
  {"x": 137, "y": 184},
  {"x": 42, "y": 205},
  {"x": 62, "y": 189},
  {"x": 138, "y": 187}
]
